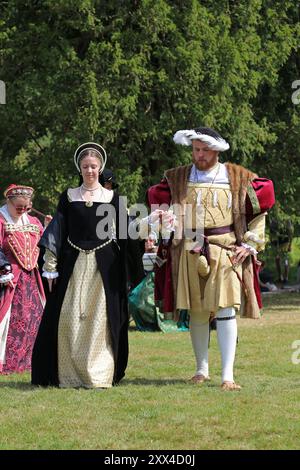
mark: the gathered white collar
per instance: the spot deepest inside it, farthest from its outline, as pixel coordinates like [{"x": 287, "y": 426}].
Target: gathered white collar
[
  {"x": 101, "y": 194},
  {"x": 198, "y": 176}
]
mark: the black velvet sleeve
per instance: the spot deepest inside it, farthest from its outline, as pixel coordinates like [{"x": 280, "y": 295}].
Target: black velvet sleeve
[
  {"x": 131, "y": 250},
  {"x": 3, "y": 260},
  {"x": 55, "y": 234}
]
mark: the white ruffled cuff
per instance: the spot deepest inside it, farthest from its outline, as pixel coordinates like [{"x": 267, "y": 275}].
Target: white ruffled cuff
[
  {"x": 169, "y": 227},
  {"x": 255, "y": 235},
  {"x": 252, "y": 250},
  {"x": 6, "y": 278},
  {"x": 143, "y": 228},
  {"x": 153, "y": 236},
  {"x": 252, "y": 236},
  {"x": 50, "y": 275},
  {"x": 149, "y": 228}
]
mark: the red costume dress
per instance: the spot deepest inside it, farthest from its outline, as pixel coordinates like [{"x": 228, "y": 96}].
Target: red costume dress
[{"x": 22, "y": 299}]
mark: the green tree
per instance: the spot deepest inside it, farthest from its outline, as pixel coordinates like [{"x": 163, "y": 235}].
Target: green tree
[{"x": 129, "y": 73}]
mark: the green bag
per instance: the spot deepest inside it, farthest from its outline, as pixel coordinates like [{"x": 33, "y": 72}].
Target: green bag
[{"x": 146, "y": 314}]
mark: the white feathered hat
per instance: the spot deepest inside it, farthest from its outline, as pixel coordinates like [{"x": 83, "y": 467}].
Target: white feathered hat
[{"x": 213, "y": 140}]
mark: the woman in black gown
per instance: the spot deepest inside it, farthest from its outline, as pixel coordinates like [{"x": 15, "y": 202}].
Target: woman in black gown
[{"x": 83, "y": 336}]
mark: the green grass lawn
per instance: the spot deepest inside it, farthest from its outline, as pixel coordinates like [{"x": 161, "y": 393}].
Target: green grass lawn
[{"x": 154, "y": 407}]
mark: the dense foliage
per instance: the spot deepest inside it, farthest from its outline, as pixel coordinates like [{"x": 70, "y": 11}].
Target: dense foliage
[{"x": 129, "y": 73}]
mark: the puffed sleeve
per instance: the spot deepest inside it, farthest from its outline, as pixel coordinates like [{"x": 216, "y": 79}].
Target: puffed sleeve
[
  {"x": 54, "y": 237},
  {"x": 50, "y": 265},
  {"x": 259, "y": 200},
  {"x": 159, "y": 194},
  {"x": 142, "y": 226},
  {"x": 37, "y": 222},
  {"x": 157, "y": 197}
]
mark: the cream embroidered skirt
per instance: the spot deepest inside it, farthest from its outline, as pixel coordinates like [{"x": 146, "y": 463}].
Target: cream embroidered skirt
[{"x": 85, "y": 356}]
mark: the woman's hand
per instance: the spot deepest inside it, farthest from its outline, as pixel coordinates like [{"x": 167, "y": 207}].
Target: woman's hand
[
  {"x": 51, "y": 284},
  {"x": 47, "y": 220}
]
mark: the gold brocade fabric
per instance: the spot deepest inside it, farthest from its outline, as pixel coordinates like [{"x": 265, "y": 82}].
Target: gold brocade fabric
[
  {"x": 215, "y": 201},
  {"x": 85, "y": 356},
  {"x": 221, "y": 288},
  {"x": 50, "y": 264}
]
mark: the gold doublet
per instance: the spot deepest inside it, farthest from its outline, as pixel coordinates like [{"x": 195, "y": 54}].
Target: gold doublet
[{"x": 221, "y": 288}]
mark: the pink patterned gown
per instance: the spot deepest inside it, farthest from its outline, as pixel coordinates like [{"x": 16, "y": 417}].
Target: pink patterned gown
[{"x": 22, "y": 303}]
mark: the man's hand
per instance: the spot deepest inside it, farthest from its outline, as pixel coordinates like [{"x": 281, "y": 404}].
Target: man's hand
[
  {"x": 164, "y": 217},
  {"x": 155, "y": 215},
  {"x": 239, "y": 254},
  {"x": 168, "y": 219}
]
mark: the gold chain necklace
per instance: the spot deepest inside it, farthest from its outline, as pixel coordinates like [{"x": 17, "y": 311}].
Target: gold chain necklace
[{"x": 90, "y": 190}]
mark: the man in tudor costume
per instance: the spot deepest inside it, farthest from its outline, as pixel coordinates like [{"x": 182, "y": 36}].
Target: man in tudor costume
[{"x": 217, "y": 223}]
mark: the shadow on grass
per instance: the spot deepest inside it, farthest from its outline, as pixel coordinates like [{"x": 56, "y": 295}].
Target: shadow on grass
[
  {"x": 156, "y": 382},
  {"x": 281, "y": 300},
  {"x": 25, "y": 386},
  {"x": 134, "y": 328},
  {"x": 28, "y": 387},
  {"x": 167, "y": 382}
]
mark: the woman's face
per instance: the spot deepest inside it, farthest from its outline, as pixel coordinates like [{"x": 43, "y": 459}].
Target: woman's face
[
  {"x": 149, "y": 245},
  {"x": 17, "y": 206},
  {"x": 90, "y": 167}
]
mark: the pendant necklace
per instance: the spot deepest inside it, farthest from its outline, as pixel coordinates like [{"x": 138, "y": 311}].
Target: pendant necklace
[{"x": 88, "y": 203}]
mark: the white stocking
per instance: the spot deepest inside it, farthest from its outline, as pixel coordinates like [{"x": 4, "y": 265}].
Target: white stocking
[
  {"x": 227, "y": 335},
  {"x": 200, "y": 336}
]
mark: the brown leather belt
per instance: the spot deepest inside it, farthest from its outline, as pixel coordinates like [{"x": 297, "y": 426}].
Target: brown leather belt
[{"x": 218, "y": 230}]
